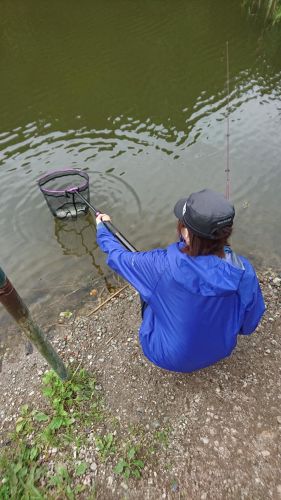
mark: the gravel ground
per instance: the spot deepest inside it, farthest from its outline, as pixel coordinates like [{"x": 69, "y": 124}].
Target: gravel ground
[{"x": 224, "y": 421}]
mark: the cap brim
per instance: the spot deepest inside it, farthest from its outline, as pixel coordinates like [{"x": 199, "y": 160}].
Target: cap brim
[{"x": 178, "y": 208}]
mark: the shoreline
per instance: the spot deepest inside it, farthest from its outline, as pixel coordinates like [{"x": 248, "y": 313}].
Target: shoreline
[{"x": 223, "y": 423}]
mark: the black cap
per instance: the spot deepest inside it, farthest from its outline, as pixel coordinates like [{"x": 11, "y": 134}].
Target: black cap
[{"x": 205, "y": 212}]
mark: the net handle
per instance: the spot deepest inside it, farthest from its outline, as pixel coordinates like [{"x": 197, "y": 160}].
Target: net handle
[{"x": 108, "y": 224}]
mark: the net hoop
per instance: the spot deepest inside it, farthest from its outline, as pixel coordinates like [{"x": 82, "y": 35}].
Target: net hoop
[
  {"x": 63, "y": 190},
  {"x": 62, "y": 173}
]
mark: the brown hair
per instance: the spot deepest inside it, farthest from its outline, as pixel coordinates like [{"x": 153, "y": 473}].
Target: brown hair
[{"x": 203, "y": 246}]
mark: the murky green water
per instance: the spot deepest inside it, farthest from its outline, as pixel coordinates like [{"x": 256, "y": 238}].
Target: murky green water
[{"x": 134, "y": 93}]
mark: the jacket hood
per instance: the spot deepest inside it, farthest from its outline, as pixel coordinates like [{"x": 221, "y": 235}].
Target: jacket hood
[{"x": 206, "y": 275}]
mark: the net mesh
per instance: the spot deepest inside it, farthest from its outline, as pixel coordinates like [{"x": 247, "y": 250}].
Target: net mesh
[{"x": 60, "y": 190}]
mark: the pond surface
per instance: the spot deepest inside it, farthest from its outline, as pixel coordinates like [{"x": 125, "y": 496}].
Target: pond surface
[{"x": 135, "y": 94}]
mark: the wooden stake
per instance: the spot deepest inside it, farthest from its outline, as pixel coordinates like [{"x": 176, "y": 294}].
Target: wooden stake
[{"x": 19, "y": 311}]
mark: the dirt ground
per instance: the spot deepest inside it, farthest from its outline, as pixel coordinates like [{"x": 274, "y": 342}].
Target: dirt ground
[{"x": 224, "y": 422}]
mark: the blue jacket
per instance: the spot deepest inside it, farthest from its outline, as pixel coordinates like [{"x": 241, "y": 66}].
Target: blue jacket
[{"x": 197, "y": 306}]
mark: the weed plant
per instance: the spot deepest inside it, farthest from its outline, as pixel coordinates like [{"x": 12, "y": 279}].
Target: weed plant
[
  {"x": 38, "y": 463},
  {"x": 271, "y": 9}
]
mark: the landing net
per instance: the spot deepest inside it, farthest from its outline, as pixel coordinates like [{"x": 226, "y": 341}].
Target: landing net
[{"x": 60, "y": 190}]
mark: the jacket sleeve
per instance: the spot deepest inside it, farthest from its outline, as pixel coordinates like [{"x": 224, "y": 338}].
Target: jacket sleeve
[
  {"x": 253, "y": 312},
  {"x": 141, "y": 269}
]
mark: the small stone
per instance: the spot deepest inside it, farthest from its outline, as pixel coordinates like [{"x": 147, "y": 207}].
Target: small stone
[
  {"x": 265, "y": 453},
  {"x": 93, "y": 466},
  {"x": 267, "y": 351},
  {"x": 204, "y": 440},
  {"x": 155, "y": 424},
  {"x": 279, "y": 419},
  {"x": 87, "y": 481},
  {"x": 124, "y": 486},
  {"x": 110, "y": 481},
  {"x": 277, "y": 281}
]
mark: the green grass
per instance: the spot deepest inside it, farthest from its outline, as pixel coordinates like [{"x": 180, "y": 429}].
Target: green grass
[
  {"x": 130, "y": 465},
  {"x": 105, "y": 445},
  {"x": 29, "y": 468},
  {"x": 25, "y": 473},
  {"x": 271, "y": 9}
]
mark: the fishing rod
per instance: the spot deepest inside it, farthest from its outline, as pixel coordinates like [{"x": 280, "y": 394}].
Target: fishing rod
[{"x": 227, "y": 170}]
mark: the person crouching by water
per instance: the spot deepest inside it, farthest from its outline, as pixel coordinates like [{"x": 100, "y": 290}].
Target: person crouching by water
[{"x": 199, "y": 295}]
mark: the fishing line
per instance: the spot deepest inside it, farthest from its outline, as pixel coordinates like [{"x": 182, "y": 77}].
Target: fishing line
[{"x": 227, "y": 170}]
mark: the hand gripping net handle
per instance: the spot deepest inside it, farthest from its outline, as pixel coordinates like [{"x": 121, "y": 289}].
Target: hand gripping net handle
[{"x": 111, "y": 227}]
